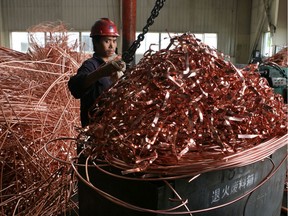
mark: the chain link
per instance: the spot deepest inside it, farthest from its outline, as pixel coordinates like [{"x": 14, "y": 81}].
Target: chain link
[{"x": 128, "y": 55}]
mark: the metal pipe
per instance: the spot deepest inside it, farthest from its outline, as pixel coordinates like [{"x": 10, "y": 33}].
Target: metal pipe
[{"x": 128, "y": 23}]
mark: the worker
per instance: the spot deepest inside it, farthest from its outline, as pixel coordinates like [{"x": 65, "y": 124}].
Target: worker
[
  {"x": 94, "y": 76},
  {"x": 98, "y": 72}
]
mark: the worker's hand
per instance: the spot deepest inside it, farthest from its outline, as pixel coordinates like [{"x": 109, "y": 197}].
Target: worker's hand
[
  {"x": 117, "y": 75},
  {"x": 119, "y": 64},
  {"x": 110, "y": 68},
  {"x": 113, "y": 69}
]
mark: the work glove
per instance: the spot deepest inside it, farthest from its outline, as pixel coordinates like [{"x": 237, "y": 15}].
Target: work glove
[
  {"x": 113, "y": 69},
  {"x": 120, "y": 66}
]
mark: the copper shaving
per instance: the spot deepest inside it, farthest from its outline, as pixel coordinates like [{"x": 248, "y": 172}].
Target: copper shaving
[
  {"x": 37, "y": 107},
  {"x": 280, "y": 58},
  {"x": 180, "y": 107}
]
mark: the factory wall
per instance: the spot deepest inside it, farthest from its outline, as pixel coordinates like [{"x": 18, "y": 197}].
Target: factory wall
[
  {"x": 269, "y": 16},
  {"x": 205, "y": 16},
  {"x": 1, "y": 26},
  {"x": 78, "y": 14},
  {"x": 281, "y": 34},
  {"x": 230, "y": 19},
  {"x": 263, "y": 13}
]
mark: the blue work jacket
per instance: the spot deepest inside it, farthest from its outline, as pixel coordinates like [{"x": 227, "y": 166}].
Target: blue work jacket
[{"x": 88, "y": 96}]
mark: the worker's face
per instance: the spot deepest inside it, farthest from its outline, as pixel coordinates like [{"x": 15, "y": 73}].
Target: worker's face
[{"x": 106, "y": 47}]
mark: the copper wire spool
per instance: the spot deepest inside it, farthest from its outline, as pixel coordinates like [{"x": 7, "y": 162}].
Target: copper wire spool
[{"x": 185, "y": 110}]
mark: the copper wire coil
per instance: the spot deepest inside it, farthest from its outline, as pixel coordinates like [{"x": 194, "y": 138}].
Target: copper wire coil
[
  {"x": 36, "y": 107},
  {"x": 176, "y": 210}
]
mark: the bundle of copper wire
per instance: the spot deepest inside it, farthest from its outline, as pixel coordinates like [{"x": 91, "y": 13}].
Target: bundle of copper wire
[
  {"x": 37, "y": 107},
  {"x": 280, "y": 58},
  {"x": 185, "y": 110}
]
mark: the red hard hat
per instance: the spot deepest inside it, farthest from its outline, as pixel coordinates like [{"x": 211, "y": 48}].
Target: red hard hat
[{"x": 104, "y": 27}]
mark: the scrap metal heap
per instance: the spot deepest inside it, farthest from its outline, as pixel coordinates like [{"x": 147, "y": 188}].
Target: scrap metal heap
[
  {"x": 36, "y": 107},
  {"x": 185, "y": 109},
  {"x": 280, "y": 58}
]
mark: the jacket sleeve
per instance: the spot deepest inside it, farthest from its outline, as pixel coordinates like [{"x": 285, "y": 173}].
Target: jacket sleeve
[{"x": 76, "y": 82}]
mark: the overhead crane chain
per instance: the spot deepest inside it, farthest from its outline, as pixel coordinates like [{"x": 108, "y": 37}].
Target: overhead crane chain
[{"x": 128, "y": 55}]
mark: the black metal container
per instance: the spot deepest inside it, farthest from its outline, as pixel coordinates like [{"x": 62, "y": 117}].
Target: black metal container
[{"x": 253, "y": 190}]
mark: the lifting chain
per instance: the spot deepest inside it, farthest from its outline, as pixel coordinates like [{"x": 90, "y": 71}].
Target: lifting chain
[{"x": 128, "y": 55}]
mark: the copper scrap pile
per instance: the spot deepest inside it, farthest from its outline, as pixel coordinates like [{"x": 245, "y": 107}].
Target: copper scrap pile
[
  {"x": 184, "y": 110},
  {"x": 36, "y": 107},
  {"x": 280, "y": 58}
]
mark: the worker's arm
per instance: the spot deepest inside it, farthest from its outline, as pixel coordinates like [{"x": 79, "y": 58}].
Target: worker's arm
[
  {"x": 109, "y": 69},
  {"x": 80, "y": 83}
]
